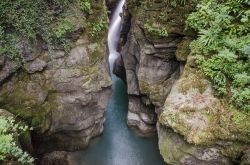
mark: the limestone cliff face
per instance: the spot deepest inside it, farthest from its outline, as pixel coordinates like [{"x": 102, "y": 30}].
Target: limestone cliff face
[
  {"x": 194, "y": 126},
  {"x": 63, "y": 95}
]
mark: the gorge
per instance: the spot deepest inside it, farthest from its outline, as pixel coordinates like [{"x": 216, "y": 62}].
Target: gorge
[
  {"x": 144, "y": 92},
  {"x": 119, "y": 145}
]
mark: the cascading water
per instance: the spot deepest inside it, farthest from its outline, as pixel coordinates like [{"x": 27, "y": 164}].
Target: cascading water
[
  {"x": 114, "y": 33},
  {"x": 119, "y": 145}
]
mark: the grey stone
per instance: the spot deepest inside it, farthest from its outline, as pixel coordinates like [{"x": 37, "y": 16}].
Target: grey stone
[
  {"x": 9, "y": 68},
  {"x": 37, "y": 65},
  {"x": 77, "y": 56}
]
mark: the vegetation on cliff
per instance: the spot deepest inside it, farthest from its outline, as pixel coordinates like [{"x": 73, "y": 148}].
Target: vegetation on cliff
[
  {"x": 223, "y": 47},
  {"x": 9, "y": 131},
  {"x": 31, "y": 20},
  {"x": 50, "y": 22},
  {"x": 54, "y": 40}
]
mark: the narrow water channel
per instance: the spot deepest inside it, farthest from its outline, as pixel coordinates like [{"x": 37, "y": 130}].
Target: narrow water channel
[{"x": 119, "y": 145}]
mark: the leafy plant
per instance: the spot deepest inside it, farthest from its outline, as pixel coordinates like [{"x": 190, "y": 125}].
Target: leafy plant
[
  {"x": 156, "y": 29},
  {"x": 97, "y": 27},
  {"x": 223, "y": 47},
  {"x": 85, "y": 5},
  {"x": 174, "y": 3},
  {"x": 28, "y": 20},
  {"x": 9, "y": 130},
  {"x": 62, "y": 28}
]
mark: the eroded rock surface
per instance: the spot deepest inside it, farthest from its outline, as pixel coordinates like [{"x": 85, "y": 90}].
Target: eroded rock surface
[
  {"x": 66, "y": 100},
  {"x": 63, "y": 95},
  {"x": 150, "y": 62},
  {"x": 192, "y": 111},
  {"x": 195, "y": 126}
]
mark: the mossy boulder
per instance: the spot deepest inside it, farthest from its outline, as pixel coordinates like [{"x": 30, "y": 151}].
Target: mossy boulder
[
  {"x": 183, "y": 49},
  {"x": 175, "y": 150},
  {"x": 192, "y": 110}
]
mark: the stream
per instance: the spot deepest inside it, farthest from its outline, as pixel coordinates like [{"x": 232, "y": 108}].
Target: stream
[{"x": 119, "y": 145}]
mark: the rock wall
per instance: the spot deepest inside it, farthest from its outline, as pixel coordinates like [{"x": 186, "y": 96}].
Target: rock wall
[
  {"x": 150, "y": 62},
  {"x": 201, "y": 122},
  {"x": 165, "y": 85},
  {"x": 63, "y": 95}
]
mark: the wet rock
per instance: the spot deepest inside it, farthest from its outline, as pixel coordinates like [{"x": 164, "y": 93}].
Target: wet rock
[
  {"x": 141, "y": 116},
  {"x": 111, "y": 4},
  {"x": 118, "y": 69},
  {"x": 126, "y": 25},
  {"x": 130, "y": 55}
]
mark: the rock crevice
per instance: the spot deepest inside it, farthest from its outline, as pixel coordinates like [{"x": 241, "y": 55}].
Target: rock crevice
[{"x": 166, "y": 86}]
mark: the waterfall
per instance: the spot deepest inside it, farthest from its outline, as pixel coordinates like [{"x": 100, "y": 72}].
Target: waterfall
[
  {"x": 114, "y": 33},
  {"x": 119, "y": 145}
]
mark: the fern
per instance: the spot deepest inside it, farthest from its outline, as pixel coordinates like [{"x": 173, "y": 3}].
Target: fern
[{"x": 223, "y": 47}]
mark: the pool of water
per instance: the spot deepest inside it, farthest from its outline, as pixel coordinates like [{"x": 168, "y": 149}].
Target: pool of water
[{"x": 119, "y": 145}]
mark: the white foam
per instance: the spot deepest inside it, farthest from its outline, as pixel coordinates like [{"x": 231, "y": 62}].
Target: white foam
[{"x": 114, "y": 34}]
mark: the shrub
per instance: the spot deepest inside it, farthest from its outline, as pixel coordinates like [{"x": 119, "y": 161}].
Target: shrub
[
  {"x": 85, "y": 5},
  {"x": 30, "y": 20},
  {"x": 9, "y": 130},
  {"x": 96, "y": 28},
  {"x": 223, "y": 47},
  {"x": 156, "y": 30}
]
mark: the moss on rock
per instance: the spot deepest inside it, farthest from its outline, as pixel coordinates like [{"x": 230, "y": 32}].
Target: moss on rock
[
  {"x": 192, "y": 78},
  {"x": 183, "y": 50},
  {"x": 27, "y": 103},
  {"x": 193, "y": 111}
]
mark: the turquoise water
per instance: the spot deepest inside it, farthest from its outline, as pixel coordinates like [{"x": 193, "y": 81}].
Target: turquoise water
[{"x": 119, "y": 145}]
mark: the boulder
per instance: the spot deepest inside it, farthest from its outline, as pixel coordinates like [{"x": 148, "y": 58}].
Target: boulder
[{"x": 203, "y": 120}]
